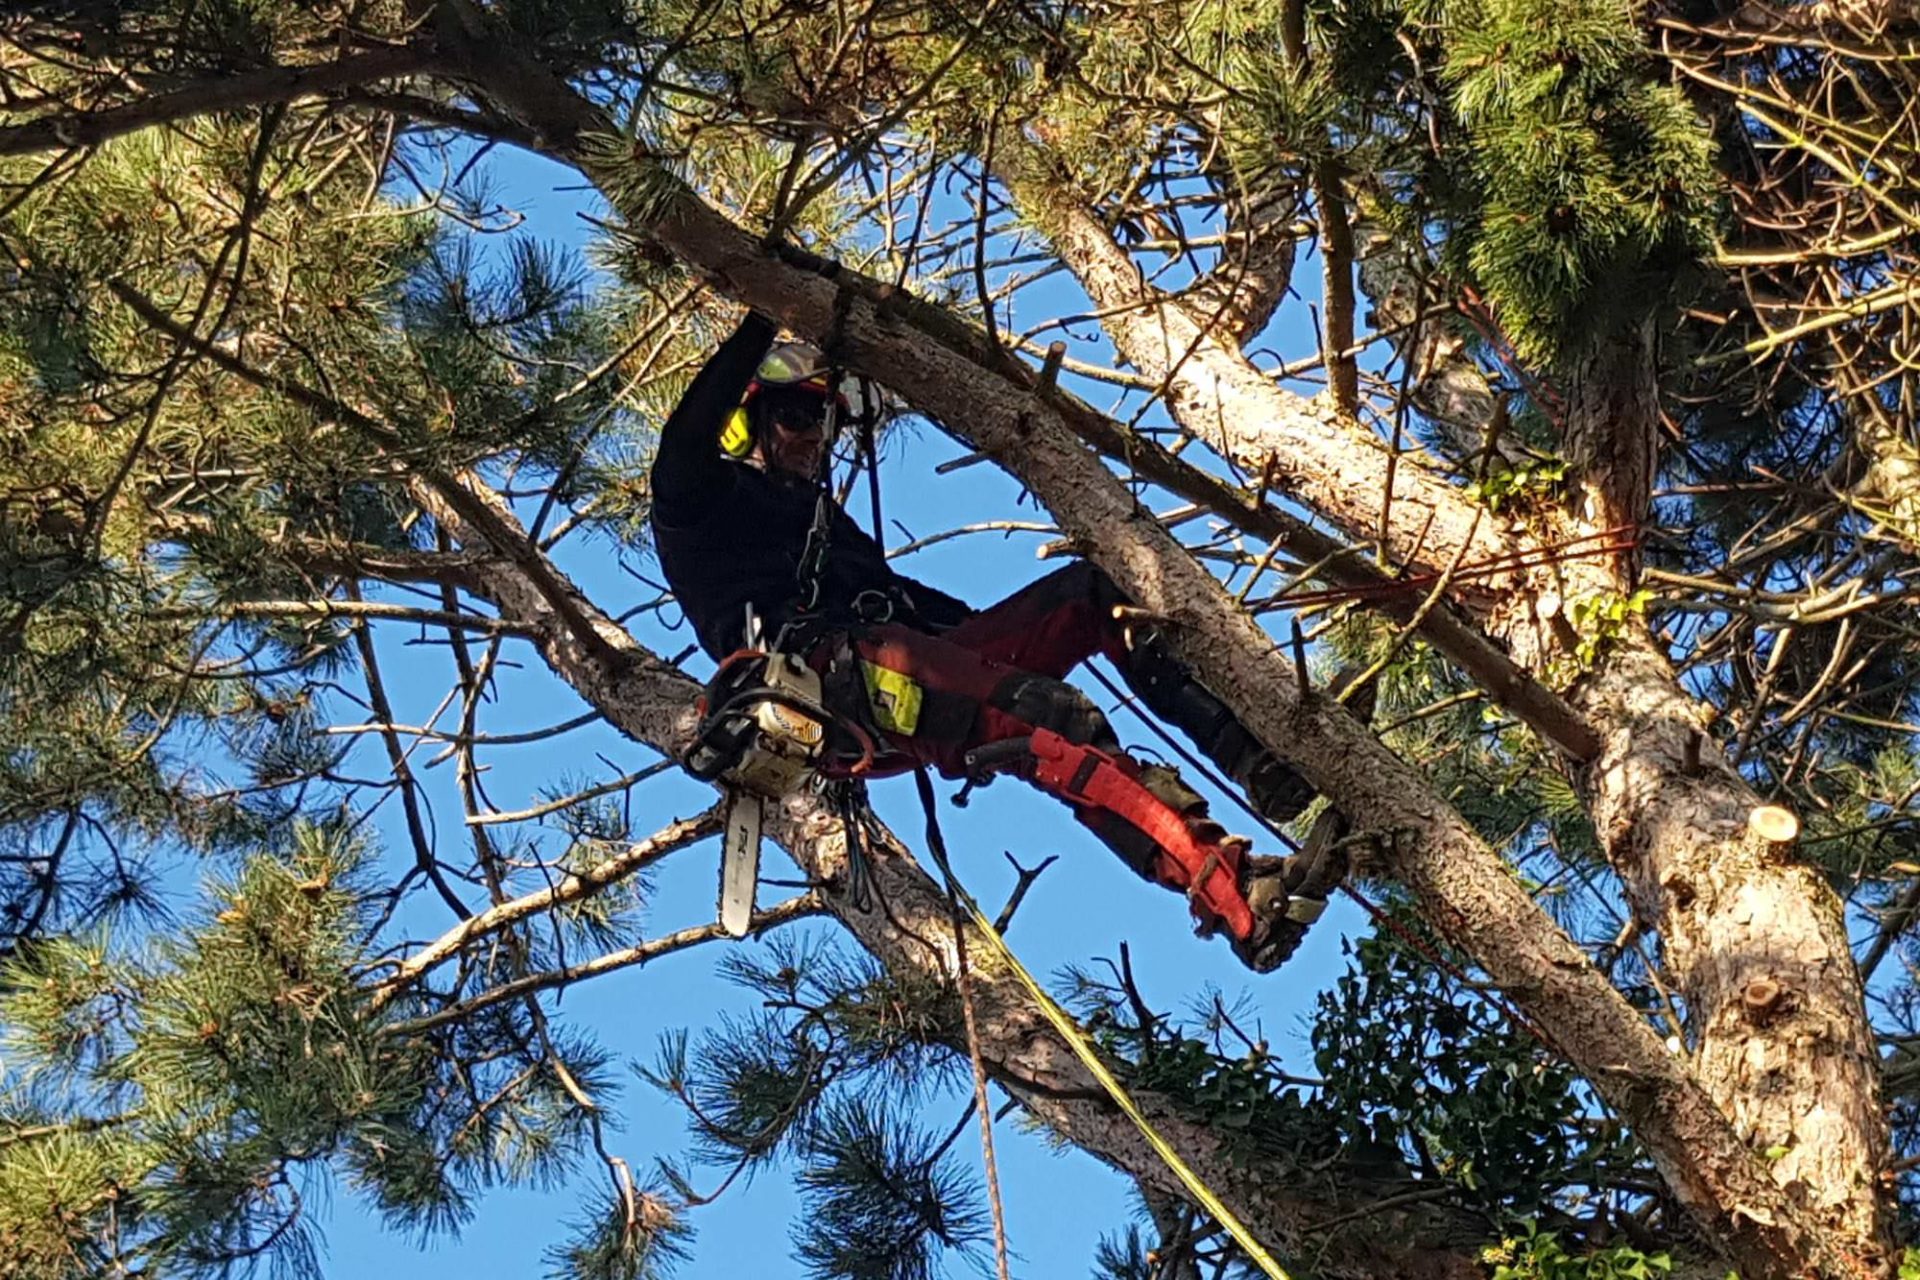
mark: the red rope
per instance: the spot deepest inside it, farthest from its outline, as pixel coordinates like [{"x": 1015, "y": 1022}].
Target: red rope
[
  {"x": 1618, "y": 539},
  {"x": 1420, "y": 947}
]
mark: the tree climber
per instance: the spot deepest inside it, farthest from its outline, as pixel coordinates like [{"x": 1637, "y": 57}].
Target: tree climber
[{"x": 737, "y": 489}]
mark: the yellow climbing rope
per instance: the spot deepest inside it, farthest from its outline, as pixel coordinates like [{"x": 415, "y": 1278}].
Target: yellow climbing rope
[
  {"x": 1083, "y": 1049},
  {"x": 1076, "y": 1039}
]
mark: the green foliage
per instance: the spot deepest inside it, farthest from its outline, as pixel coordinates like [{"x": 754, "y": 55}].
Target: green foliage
[
  {"x": 1127, "y": 1257},
  {"x": 881, "y": 1198},
  {"x": 177, "y": 1087},
  {"x": 1602, "y": 620},
  {"x": 167, "y": 1097},
  {"x": 1545, "y": 164},
  {"x": 1526, "y": 482},
  {"x": 1418, "y": 1062},
  {"x": 1596, "y": 184},
  {"x": 1539, "y": 1255},
  {"x": 644, "y": 1240},
  {"x": 825, "y": 1081},
  {"x": 1497, "y": 774},
  {"x": 185, "y": 1087}
]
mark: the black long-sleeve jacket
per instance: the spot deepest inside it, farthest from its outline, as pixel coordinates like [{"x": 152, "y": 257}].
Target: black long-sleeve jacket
[{"x": 729, "y": 534}]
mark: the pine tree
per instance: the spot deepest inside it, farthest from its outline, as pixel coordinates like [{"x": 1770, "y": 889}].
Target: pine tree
[{"x": 1599, "y": 457}]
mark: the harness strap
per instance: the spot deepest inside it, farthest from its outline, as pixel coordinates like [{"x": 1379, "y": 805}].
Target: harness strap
[
  {"x": 1210, "y": 873},
  {"x": 812, "y": 569}
]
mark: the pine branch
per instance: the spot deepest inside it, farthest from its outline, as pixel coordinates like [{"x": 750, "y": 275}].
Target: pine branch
[
  {"x": 1252, "y": 278},
  {"x": 583, "y": 884},
  {"x": 382, "y": 436},
  {"x": 327, "y": 558},
  {"x": 227, "y": 93},
  {"x": 1469, "y": 888},
  {"x": 801, "y": 907},
  {"x": 651, "y": 701},
  {"x": 1318, "y": 453},
  {"x": 495, "y": 817},
  {"x": 425, "y": 857},
  {"x": 1336, "y": 264},
  {"x": 66, "y": 1128},
  {"x": 326, "y": 609}
]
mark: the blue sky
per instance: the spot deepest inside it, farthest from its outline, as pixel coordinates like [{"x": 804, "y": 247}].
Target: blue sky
[{"x": 1058, "y": 1203}]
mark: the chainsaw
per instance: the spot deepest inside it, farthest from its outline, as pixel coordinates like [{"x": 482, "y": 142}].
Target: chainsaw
[{"x": 762, "y": 733}]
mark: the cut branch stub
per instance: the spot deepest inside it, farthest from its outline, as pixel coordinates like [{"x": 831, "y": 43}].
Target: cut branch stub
[
  {"x": 1761, "y": 998},
  {"x": 1772, "y": 830}
]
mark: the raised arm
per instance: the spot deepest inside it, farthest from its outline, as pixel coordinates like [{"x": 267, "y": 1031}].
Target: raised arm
[{"x": 688, "y": 470}]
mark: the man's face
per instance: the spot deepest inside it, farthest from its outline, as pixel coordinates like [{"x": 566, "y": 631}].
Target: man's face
[{"x": 795, "y": 441}]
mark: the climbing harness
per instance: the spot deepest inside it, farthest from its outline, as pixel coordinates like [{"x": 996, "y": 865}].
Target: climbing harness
[
  {"x": 765, "y": 729},
  {"x": 766, "y": 732}
]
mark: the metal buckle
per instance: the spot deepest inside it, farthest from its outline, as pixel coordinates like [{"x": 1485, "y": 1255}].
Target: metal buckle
[{"x": 874, "y": 607}]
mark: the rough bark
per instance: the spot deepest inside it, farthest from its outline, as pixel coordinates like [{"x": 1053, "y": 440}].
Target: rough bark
[
  {"x": 1754, "y": 940},
  {"x": 1340, "y": 468},
  {"x": 1506, "y": 683},
  {"x": 1283, "y": 1203},
  {"x": 1613, "y": 444},
  {"x": 1465, "y": 887},
  {"x": 1254, "y": 274},
  {"x": 1755, "y": 943},
  {"x": 1308, "y": 448}
]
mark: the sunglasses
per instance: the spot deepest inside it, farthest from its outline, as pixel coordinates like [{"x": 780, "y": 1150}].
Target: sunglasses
[{"x": 803, "y": 427}]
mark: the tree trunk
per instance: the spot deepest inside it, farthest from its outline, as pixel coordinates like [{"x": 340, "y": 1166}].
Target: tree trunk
[
  {"x": 1465, "y": 888},
  {"x": 1755, "y": 941},
  {"x": 1756, "y": 944}
]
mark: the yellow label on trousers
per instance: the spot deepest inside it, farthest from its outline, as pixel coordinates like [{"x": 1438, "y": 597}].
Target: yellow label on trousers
[{"x": 895, "y": 699}]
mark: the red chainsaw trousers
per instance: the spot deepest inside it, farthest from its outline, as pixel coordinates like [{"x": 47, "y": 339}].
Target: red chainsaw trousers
[{"x": 998, "y": 676}]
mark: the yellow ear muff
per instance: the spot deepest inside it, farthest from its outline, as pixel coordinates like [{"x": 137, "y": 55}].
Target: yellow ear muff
[{"x": 737, "y": 437}]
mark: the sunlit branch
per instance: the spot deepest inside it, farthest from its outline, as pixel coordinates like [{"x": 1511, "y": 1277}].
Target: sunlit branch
[
  {"x": 797, "y": 908},
  {"x": 574, "y": 887}
]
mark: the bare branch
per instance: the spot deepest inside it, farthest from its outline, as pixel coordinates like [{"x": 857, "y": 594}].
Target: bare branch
[
  {"x": 253, "y": 88},
  {"x": 583, "y": 884},
  {"x": 1315, "y": 451},
  {"x": 796, "y": 908},
  {"x": 322, "y": 610},
  {"x": 653, "y": 702}
]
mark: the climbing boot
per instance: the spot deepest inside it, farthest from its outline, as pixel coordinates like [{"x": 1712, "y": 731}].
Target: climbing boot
[{"x": 1287, "y": 894}]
